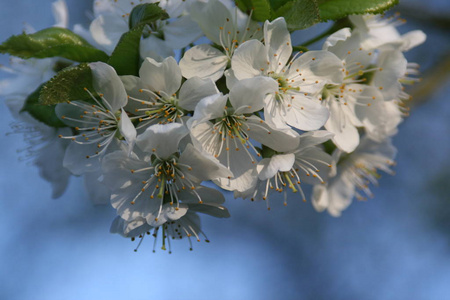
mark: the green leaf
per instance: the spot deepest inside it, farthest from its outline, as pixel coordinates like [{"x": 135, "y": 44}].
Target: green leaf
[
  {"x": 244, "y": 5},
  {"x": 299, "y": 14},
  {"x": 276, "y": 4},
  {"x": 336, "y": 9},
  {"x": 52, "y": 42},
  {"x": 126, "y": 58},
  {"x": 43, "y": 113},
  {"x": 283, "y": 10},
  {"x": 261, "y": 10},
  {"x": 148, "y": 13},
  {"x": 68, "y": 85}
]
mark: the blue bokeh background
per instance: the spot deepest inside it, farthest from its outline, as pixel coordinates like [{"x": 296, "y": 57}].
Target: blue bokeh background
[{"x": 396, "y": 246}]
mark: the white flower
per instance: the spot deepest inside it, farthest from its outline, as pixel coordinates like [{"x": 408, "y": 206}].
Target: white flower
[
  {"x": 289, "y": 169},
  {"x": 230, "y": 132},
  {"x": 175, "y": 224},
  {"x": 377, "y": 32},
  {"x": 97, "y": 125},
  {"x": 226, "y": 29},
  {"x": 111, "y": 21},
  {"x": 44, "y": 149},
  {"x": 354, "y": 173},
  {"x": 352, "y": 104},
  {"x": 298, "y": 81},
  {"x": 28, "y": 76},
  {"x": 153, "y": 96},
  {"x": 141, "y": 185}
]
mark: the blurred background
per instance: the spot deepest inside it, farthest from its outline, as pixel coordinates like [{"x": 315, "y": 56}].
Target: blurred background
[{"x": 395, "y": 246}]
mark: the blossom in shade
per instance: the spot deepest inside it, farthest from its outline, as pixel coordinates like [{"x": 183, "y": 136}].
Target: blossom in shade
[
  {"x": 112, "y": 21},
  {"x": 175, "y": 224},
  {"x": 283, "y": 170},
  {"x": 354, "y": 173},
  {"x": 97, "y": 125},
  {"x": 378, "y": 32},
  {"x": 352, "y": 103},
  {"x": 141, "y": 185}
]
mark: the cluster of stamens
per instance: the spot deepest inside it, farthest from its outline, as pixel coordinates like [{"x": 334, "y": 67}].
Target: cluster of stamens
[
  {"x": 288, "y": 180},
  {"x": 160, "y": 109},
  {"x": 98, "y": 123},
  {"x": 230, "y": 37},
  {"x": 177, "y": 229}
]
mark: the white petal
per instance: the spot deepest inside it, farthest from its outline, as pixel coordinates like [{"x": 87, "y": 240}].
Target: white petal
[
  {"x": 250, "y": 60},
  {"x": 278, "y": 140},
  {"x": 168, "y": 213},
  {"x": 194, "y": 90},
  {"x": 162, "y": 139},
  {"x": 132, "y": 86},
  {"x": 269, "y": 167},
  {"x": 278, "y": 43},
  {"x": 66, "y": 112},
  {"x": 181, "y": 32},
  {"x": 127, "y": 130},
  {"x": 242, "y": 183},
  {"x": 393, "y": 66},
  {"x": 313, "y": 138},
  {"x": 320, "y": 197},
  {"x": 316, "y": 66},
  {"x": 107, "y": 29},
  {"x": 211, "y": 16},
  {"x": 333, "y": 39},
  {"x": 346, "y": 136},
  {"x": 210, "y": 108},
  {"x": 155, "y": 48},
  {"x": 107, "y": 82},
  {"x": 203, "y": 165},
  {"x": 76, "y": 161},
  {"x": 206, "y": 194},
  {"x": 203, "y": 61},
  {"x": 212, "y": 209},
  {"x": 413, "y": 39},
  {"x": 161, "y": 77},
  {"x": 60, "y": 13},
  {"x": 49, "y": 160},
  {"x": 370, "y": 111},
  {"x": 98, "y": 193},
  {"x": 341, "y": 193},
  {"x": 306, "y": 113},
  {"x": 247, "y": 96}
]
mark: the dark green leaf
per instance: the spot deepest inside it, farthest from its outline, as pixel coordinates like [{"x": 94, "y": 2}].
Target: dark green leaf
[
  {"x": 276, "y": 4},
  {"x": 261, "y": 10},
  {"x": 244, "y": 5},
  {"x": 68, "y": 85},
  {"x": 126, "y": 56},
  {"x": 43, "y": 113},
  {"x": 52, "y": 42},
  {"x": 282, "y": 11},
  {"x": 148, "y": 13},
  {"x": 336, "y": 9},
  {"x": 300, "y": 14}
]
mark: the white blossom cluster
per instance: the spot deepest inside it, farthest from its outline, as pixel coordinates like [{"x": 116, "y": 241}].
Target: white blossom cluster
[{"x": 239, "y": 108}]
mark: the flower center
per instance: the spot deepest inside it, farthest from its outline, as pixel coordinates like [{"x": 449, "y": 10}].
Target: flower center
[{"x": 162, "y": 109}]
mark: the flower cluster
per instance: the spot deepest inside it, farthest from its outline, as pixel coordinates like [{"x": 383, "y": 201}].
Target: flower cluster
[{"x": 240, "y": 108}]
